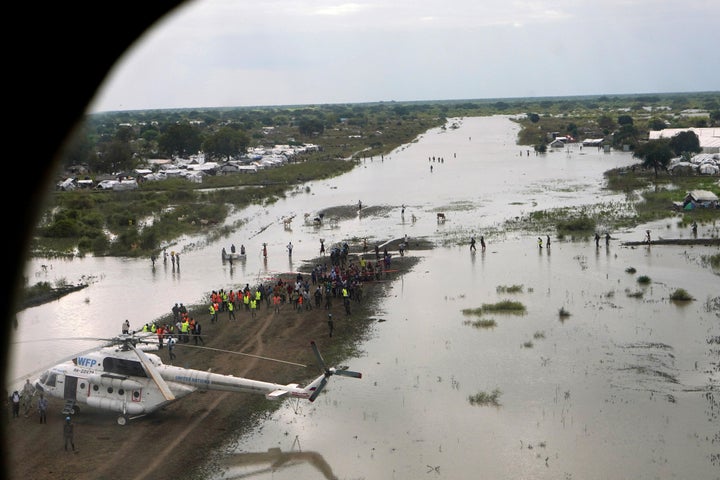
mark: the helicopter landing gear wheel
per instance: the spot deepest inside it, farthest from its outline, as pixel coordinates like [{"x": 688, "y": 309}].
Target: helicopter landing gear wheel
[{"x": 122, "y": 420}]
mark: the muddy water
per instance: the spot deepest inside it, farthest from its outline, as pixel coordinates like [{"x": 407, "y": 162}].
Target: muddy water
[{"x": 625, "y": 387}]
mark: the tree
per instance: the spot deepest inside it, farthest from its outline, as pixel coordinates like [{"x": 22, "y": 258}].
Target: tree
[
  {"x": 625, "y": 120},
  {"x": 606, "y": 123},
  {"x": 655, "y": 154},
  {"x": 625, "y": 135},
  {"x": 715, "y": 117},
  {"x": 226, "y": 142},
  {"x": 180, "y": 139},
  {"x": 685, "y": 142},
  {"x": 116, "y": 157},
  {"x": 309, "y": 126},
  {"x": 656, "y": 124},
  {"x": 534, "y": 117}
]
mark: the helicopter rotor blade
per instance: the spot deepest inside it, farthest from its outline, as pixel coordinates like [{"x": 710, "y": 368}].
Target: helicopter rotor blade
[
  {"x": 318, "y": 389},
  {"x": 154, "y": 373},
  {"x": 344, "y": 372},
  {"x": 329, "y": 372},
  {"x": 319, "y": 357}
]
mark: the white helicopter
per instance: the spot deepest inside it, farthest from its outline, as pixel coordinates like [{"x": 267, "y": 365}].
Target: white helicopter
[{"x": 123, "y": 378}]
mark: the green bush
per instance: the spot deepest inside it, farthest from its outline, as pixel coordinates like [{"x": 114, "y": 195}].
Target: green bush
[
  {"x": 681, "y": 295},
  {"x": 643, "y": 280},
  {"x": 580, "y": 224},
  {"x": 63, "y": 228}
]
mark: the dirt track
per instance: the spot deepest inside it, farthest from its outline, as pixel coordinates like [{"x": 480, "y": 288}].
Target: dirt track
[{"x": 172, "y": 443}]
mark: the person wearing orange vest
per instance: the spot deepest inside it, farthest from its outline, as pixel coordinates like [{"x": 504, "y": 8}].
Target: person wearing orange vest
[
  {"x": 276, "y": 302},
  {"x": 160, "y": 333}
]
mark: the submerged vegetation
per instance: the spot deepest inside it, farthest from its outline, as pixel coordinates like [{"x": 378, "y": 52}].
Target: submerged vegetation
[
  {"x": 504, "y": 306},
  {"x": 484, "y": 398},
  {"x": 681, "y": 295},
  {"x": 481, "y": 323},
  {"x": 509, "y": 289}
]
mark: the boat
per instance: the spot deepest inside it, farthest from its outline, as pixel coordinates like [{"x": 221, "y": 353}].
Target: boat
[
  {"x": 232, "y": 256},
  {"x": 676, "y": 241}
]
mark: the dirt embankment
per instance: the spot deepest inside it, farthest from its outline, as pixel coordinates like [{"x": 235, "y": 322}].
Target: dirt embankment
[{"x": 175, "y": 442}]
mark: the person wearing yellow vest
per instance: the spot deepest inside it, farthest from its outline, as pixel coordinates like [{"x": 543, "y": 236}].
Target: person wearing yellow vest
[
  {"x": 346, "y": 299},
  {"x": 246, "y": 300},
  {"x": 253, "y": 307},
  {"x": 213, "y": 313},
  {"x": 231, "y": 311},
  {"x": 185, "y": 330}
]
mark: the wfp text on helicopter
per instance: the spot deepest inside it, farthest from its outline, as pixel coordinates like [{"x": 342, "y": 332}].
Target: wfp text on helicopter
[{"x": 124, "y": 379}]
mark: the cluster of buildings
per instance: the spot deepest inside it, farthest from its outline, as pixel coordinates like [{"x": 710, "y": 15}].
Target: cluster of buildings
[{"x": 192, "y": 168}]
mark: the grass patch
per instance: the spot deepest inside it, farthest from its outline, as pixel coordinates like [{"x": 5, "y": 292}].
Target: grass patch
[
  {"x": 484, "y": 398},
  {"x": 713, "y": 260},
  {"x": 644, "y": 280},
  {"x": 539, "y": 335},
  {"x": 504, "y": 306},
  {"x": 509, "y": 289},
  {"x": 576, "y": 225},
  {"x": 681, "y": 295},
  {"x": 563, "y": 314},
  {"x": 631, "y": 270},
  {"x": 635, "y": 294},
  {"x": 482, "y": 323},
  {"x": 528, "y": 344}
]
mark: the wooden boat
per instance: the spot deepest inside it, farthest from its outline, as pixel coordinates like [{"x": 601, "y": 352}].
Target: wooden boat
[
  {"x": 677, "y": 241},
  {"x": 232, "y": 256}
]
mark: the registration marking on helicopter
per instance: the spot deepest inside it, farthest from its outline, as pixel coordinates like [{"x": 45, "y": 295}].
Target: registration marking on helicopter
[
  {"x": 83, "y": 370},
  {"x": 182, "y": 378}
]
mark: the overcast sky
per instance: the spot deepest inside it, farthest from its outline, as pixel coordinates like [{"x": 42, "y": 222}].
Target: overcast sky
[{"x": 217, "y": 53}]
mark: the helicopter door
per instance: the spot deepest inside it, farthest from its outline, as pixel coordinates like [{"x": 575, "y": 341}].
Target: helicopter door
[{"x": 70, "y": 388}]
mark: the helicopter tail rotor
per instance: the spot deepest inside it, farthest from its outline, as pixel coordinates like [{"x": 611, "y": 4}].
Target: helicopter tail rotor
[{"x": 328, "y": 372}]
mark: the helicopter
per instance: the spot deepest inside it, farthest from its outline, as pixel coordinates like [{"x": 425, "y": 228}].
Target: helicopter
[{"x": 123, "y": 377}]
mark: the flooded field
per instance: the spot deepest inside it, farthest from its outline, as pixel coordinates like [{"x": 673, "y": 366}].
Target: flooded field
[{"x": 624, "y": 385}]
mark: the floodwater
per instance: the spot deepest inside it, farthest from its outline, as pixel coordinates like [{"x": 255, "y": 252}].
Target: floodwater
[{"x": 625, "y": 387}]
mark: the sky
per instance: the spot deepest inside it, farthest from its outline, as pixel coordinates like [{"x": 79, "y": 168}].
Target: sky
[{"x": 226, "y": 53}]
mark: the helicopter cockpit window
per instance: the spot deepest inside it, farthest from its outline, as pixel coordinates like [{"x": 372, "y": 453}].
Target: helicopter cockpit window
[
  {"x": 123, "y": 366},
  {"x": 48, "y": 379}
]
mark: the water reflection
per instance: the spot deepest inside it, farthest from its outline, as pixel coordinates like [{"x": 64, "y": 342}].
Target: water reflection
[{"x": 255, "y": 464}]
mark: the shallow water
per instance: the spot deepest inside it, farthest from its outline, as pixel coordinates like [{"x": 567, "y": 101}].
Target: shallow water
[{"x": 622, "y": 388}]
